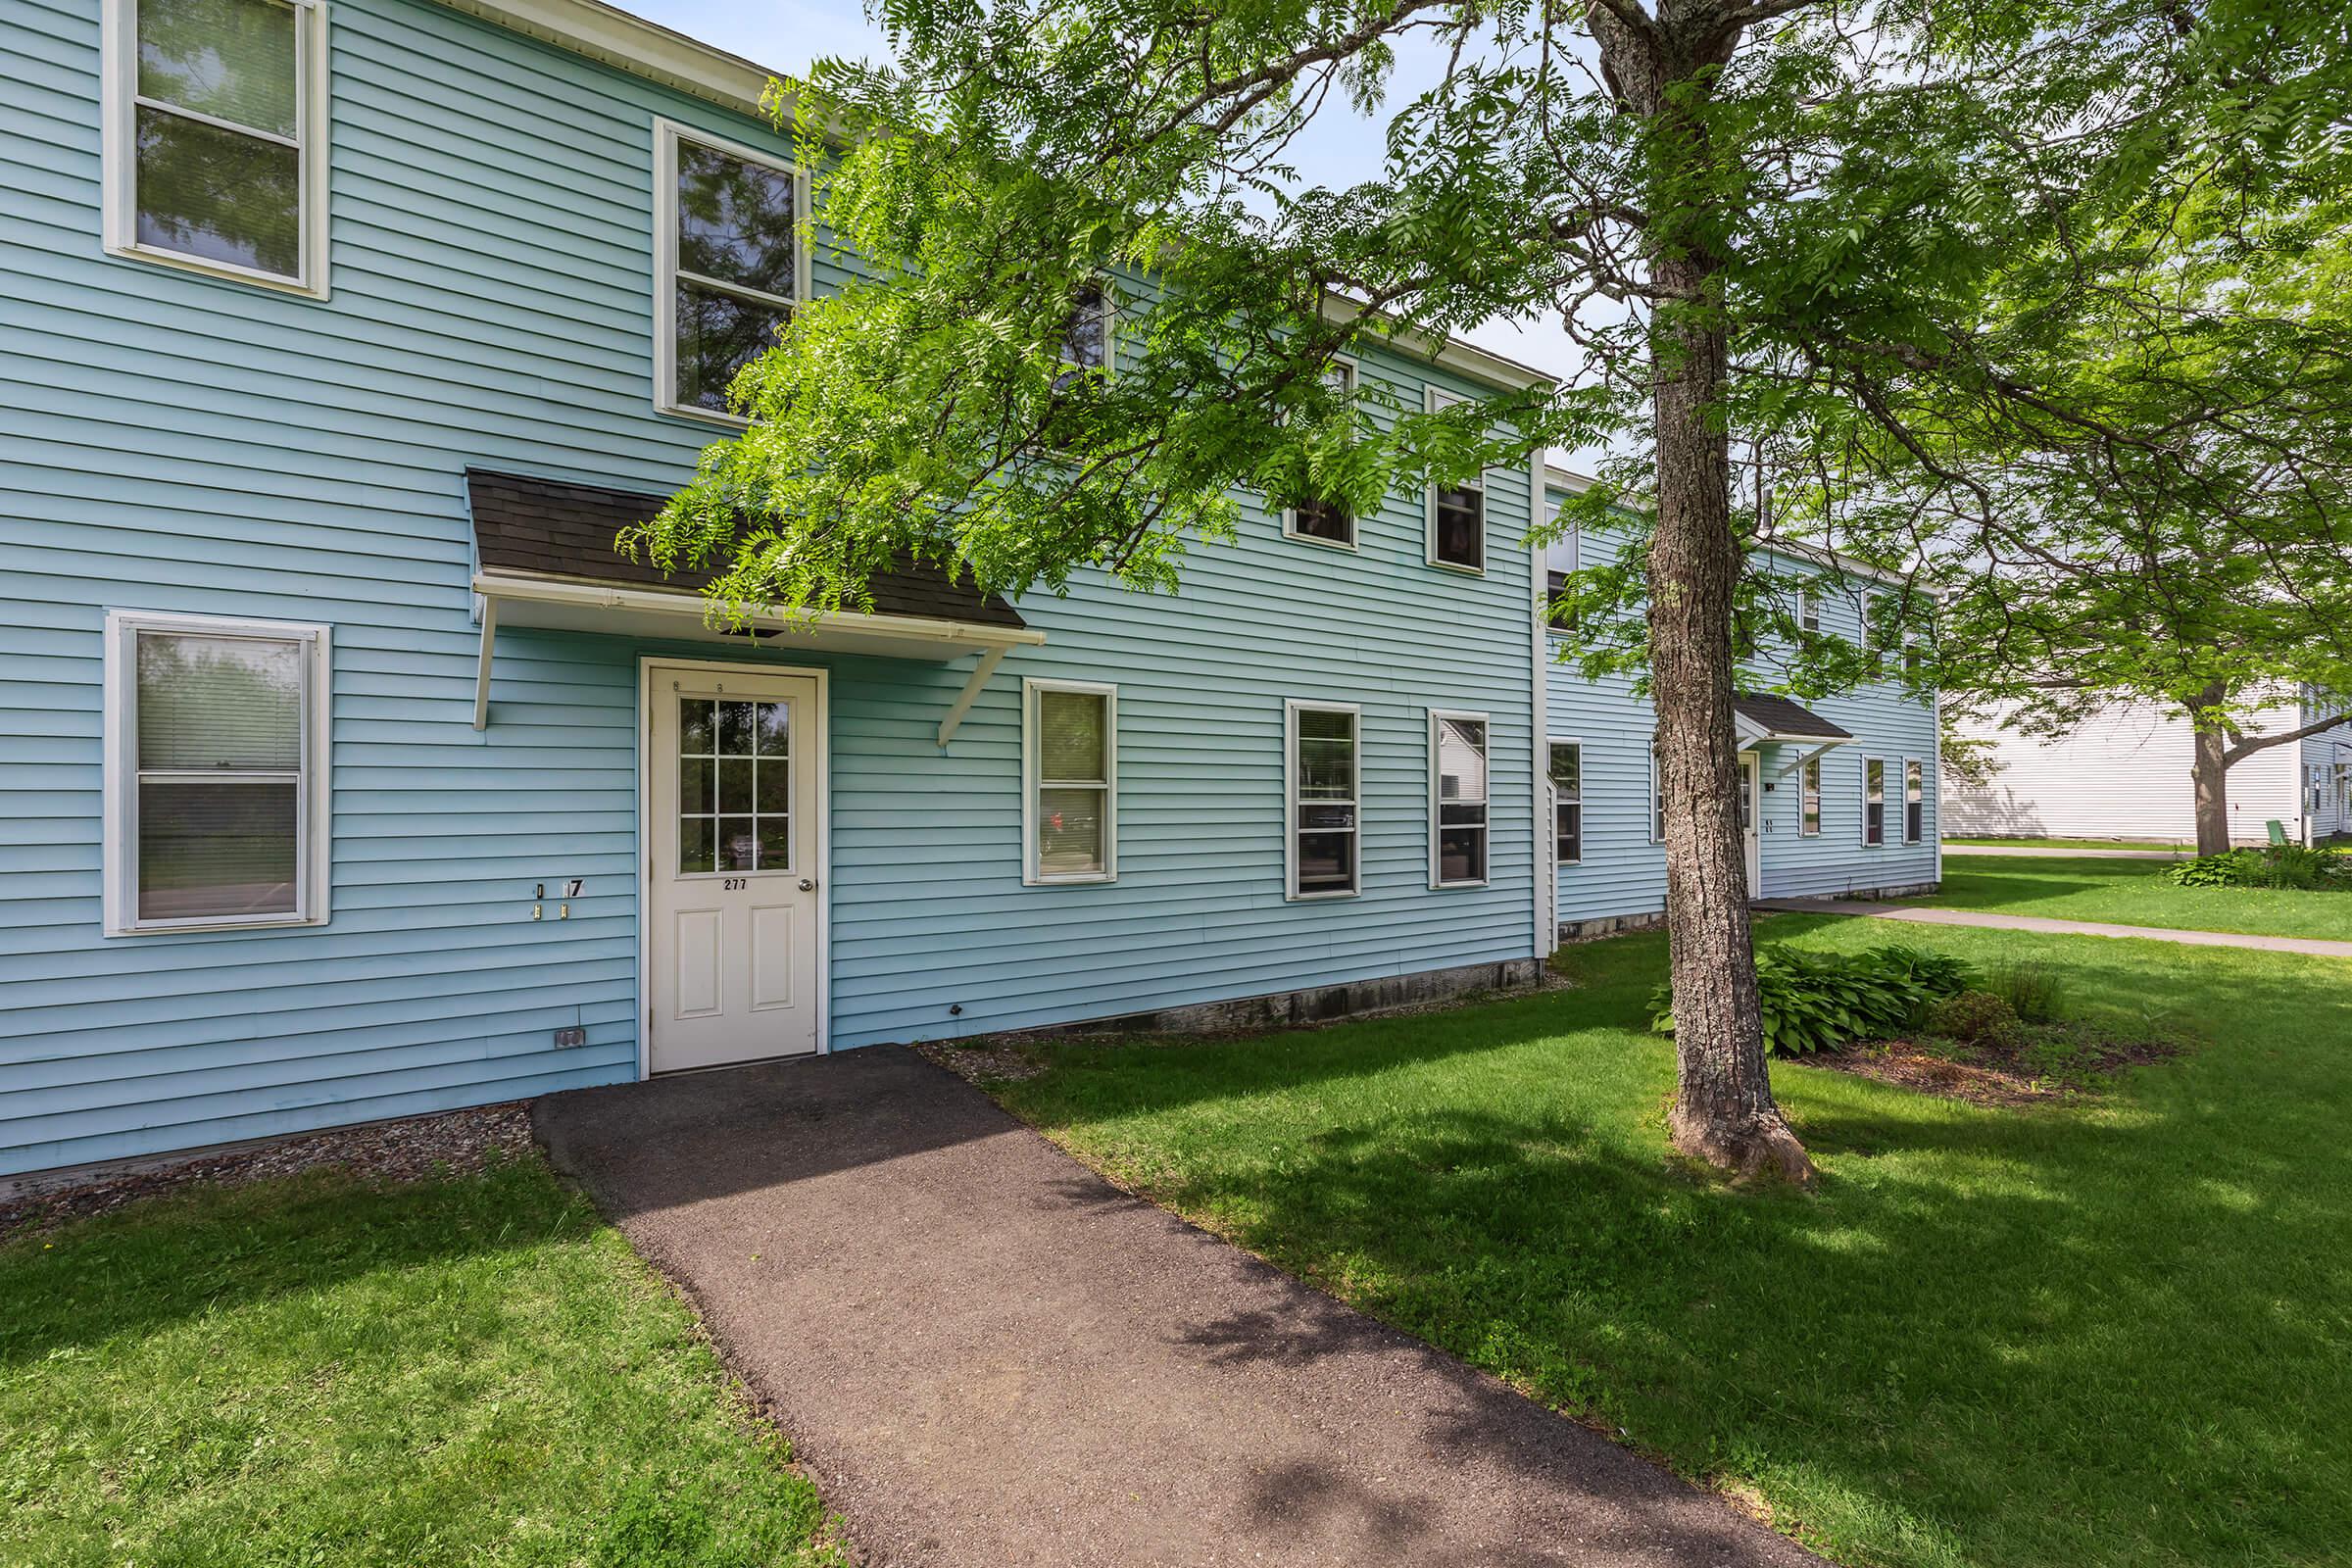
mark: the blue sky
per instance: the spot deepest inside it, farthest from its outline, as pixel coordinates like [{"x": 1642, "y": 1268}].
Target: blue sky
[{"x": 1339, "y": 148}]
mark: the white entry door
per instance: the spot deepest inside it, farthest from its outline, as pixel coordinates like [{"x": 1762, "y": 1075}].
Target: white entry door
[
  {"x": 736, "y": 763},
  {"x": 1749, "y": 778}
]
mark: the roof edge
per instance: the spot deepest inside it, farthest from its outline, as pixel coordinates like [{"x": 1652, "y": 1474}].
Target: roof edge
[{"x": 1556, "y": 477}]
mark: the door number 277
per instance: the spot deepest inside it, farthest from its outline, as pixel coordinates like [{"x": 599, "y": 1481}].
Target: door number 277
[{"x": 737, "y": 883}]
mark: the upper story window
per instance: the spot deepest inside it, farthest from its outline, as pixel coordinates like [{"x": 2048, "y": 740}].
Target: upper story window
[
  {"x": 1563, "y": 557},
  {"x": 1070, "y": 797},
  {"x": 1086, "y": 334},
  {"x": 1457, "y": 788},
  {"x": 1458, "y": 513},
  {"x": 215, "y": 145},
  {"x": 216, "y": 774},
  {"x": 1808, "y": 611},
  {"x": 730, "y": 264},
  {"x": 1324, "y": 764},
  {"x": 1316, "y": 518}
]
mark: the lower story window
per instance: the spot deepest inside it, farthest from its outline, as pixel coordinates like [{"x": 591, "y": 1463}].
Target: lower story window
[
  {"x": 217, "y": 772},
  {"x": 1325, "y": 769},
  {"x": 1070, "y": 754},
  {"x": 1809, "y": 805},
  {"x": 1567, "y": 802},
  {"x": 1874, "y": 801},
  {"x": 1458, "y": 849},
  {"x": 1915, "y": 800}
]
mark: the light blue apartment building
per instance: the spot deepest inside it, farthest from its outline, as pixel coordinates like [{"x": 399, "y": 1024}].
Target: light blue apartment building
[
  {"x": 348, "y": 773},
  {"x": 1838, "y": 796}
]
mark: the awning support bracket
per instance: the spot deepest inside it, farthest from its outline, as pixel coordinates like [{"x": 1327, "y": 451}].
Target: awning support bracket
[
  {"x": 1813, "y": 755},
  {"x": 482, "y": 670},
  {"x": 970, "y": 693}
]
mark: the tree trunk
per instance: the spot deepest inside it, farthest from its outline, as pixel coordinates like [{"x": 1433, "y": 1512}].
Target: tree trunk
[
  {"x": 2209, "y": 770},
  {"x": 1723, "y": 1111}
]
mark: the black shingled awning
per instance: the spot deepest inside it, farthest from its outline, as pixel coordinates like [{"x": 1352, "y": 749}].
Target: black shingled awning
[
  {"x": 1777, "y": 718},
  {"x": 545, "y": 557},
  {"x": 551, "y": 528}
]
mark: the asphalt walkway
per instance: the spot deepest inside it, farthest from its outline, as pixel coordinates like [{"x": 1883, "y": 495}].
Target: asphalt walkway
[
  {"x": 2069, "y": 928},
  {"x": 987, "y": 1356}
]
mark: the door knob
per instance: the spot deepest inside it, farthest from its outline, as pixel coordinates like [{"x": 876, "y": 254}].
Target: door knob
[{"x": 808, "y": 884}]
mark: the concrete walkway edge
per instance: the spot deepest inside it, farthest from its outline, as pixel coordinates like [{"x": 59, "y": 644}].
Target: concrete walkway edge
[{"x": 1917, "y": 914}]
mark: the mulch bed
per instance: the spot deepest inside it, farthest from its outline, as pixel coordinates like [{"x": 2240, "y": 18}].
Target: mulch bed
[
  {"x": 1985, "y": 1077},
  {"x": 450, "y": 1142}
]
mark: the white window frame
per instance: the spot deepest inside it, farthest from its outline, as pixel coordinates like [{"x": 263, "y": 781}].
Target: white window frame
[
  {"x": 1657, "y": 800},
  {"x": 1032, "y": 784},
  {"x": 1551, "y": 744},
  {"x": 1808, "y": 799},
  {"x": 119, "y": 102},
  {"x": 1434, "y": 400},
  {"x": 1292, "y": 708},
  {"x": 1808, "y": 611},
  {"x": 1437, "y": 715},
  {"x": 667, "y": 133},
  {"x": 1345, "y": 365},
  {"x": 314, "y": 795},
  {"x": 1911, "y": 766},
  {"x": 1868, "y": 842}
]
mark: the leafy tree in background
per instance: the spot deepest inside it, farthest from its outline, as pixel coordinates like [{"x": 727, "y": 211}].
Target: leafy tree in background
[
  {"x": 1742, "y": 209},
  {"x": 2166, "y": 517}
]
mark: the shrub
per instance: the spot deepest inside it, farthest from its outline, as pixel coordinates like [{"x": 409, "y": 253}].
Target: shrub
[
  {"x": 1977, "y": 1018},
  {"x": 2035, "y": 991},
  {"x": 2280, "y": 865},
  {"x": 1820, "y": 1001}
]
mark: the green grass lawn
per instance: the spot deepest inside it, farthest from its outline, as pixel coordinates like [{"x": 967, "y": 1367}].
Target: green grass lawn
[
  {"x": 2076, "y": 844},
  {"x": 2114, "y": 1330},
  {"x": 2134, "y": 892},
  {"x": 306, "y": 1371}
]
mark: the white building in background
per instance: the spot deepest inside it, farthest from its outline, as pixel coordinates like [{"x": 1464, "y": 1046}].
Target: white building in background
[{"x": 2124, "y": 774}]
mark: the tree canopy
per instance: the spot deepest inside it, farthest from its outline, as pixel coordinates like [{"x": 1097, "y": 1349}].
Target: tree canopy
[{"x": 1859, "y": 238}]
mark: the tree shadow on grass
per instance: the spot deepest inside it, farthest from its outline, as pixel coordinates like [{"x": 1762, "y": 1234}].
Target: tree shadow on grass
[{"x": 2119, "y": 1309}]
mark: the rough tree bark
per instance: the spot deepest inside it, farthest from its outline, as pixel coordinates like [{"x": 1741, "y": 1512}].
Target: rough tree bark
[
  {"x": 2209, "y": 770},
  {"x": 1723, "y": 1111}
]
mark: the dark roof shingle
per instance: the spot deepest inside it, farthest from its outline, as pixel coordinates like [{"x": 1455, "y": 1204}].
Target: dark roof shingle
[
  {"x": 552, "y": 527},
  {"x": 1780, "y": 717}
]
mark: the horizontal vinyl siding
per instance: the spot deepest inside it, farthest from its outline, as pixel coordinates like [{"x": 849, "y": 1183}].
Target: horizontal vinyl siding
[
  {"x": 2123, "y": 773},
  {"x": 1623, "y": 871},
  {"x": 174, "y": 443}
]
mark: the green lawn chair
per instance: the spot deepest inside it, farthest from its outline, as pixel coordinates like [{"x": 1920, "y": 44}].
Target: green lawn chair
[{"x": 2277, "y": 833}]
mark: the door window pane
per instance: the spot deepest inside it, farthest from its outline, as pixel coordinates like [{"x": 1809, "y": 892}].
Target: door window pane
[{"x": 734, "y": 809}]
